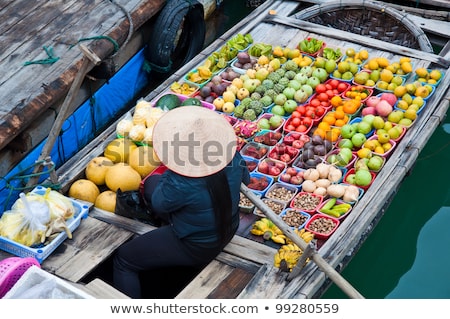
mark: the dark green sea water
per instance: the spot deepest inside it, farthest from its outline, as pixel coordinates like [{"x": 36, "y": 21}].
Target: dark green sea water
[{"x": 407, "y": 254}]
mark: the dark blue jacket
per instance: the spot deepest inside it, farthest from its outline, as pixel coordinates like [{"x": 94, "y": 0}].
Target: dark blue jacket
[{"x": 186, "y": 203}]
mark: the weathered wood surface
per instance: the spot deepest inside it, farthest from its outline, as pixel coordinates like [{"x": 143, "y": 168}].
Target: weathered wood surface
[
  {"x": 26, "y": 27},
  {"x": 250, "y": 260}
]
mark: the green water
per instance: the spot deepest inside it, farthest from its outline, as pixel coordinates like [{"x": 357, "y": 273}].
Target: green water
[{"x": 407, "y": 255}]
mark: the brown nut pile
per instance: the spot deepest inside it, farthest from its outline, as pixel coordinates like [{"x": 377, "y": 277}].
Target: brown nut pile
[
  {"x": 322, "y": 225},
  {"x": 276, "y": 207},
  {"x": 280, "y": 193},
  {"x": 244, "y": 201},
  {"x": 306, "y": 201},
  {"x": 293, "y": 218}
]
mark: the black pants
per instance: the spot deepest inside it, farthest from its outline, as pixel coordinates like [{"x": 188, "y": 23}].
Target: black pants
[{"x": 157, "y": 249}]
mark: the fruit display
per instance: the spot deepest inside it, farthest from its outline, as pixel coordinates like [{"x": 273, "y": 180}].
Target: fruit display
[{"x": 315, "y": 125}]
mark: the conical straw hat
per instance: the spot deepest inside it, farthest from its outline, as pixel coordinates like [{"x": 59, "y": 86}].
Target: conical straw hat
[{"x": 194, "y": 141}]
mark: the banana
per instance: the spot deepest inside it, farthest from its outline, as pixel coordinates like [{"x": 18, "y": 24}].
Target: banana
[{"x": 279, "y": 239}]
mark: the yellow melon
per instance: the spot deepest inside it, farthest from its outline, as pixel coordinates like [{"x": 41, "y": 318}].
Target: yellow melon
[
  {"x": 119, "y": 149},
  {"x": 84, "y": 189},
  {"x": 143, "y": 160},
  {"x": 122, "y": 176},
  {"x": 106, "y": 200},
  {"x": 96, "y": 169}
]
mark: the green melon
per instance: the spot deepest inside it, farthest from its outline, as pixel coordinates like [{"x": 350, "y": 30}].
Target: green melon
[
  {"x": 168, "y": 101},
  {"x": 192, "y": 101}
]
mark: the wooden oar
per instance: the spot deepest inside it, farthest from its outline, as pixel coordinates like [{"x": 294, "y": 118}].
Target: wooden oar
[
  {"x": 89, "y": 58},
  {"x": 307, "y": 249}
]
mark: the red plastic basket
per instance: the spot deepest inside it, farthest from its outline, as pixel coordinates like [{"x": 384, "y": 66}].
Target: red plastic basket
[{"x": 11, "y": 269}]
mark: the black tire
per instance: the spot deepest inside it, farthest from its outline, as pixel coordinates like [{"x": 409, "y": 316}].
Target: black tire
[{"x": 168, "y": 49}]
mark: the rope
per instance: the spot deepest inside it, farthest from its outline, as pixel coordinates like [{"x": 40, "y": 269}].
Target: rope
[
  {"x": 99, "y": 37},
  {"x": 50, "y": 60},
  {"x": 131, "y": 28},
  {"x": 148, "y": 67}
]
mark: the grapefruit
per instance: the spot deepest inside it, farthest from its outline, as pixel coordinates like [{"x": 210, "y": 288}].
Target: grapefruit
[
  {"x": 123, "y": 176},
  {"x": 84, "y": 189},
  {"x": 143, "y": 160},
  {"x": 106, "y": 200},
  {"x": 119, "y": 149},
  {"x": 96, "y": 169}
]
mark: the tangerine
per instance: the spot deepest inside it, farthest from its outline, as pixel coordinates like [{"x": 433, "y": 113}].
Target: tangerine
[
  {"x": 320, "y": 132},
  {"x": 336, "y": 101}
]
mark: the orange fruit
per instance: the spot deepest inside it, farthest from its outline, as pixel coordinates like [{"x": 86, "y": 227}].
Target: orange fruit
[
  {"x": 340, "y": 123},
  {"x": 320, "y": 132},
  {"x": 329, "y": 118},
  {"x": 333, "y": 134},
  {"x": 339, "y": 114},
  {"x": 324, "y": 126},
  {"x": 336, "y": 101}
]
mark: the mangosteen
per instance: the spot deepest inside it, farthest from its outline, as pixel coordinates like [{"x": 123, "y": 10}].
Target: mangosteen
[
  {"x": 308, "y": 145},
  {"x": 209, "y": 99},
  {"x": 205, "y": 91},
  {"x": 243, "y": 57},
  {"x": 307, "y": 154},
  {"x": 247, "y": 66},
  {"x": 320, "y": 150},
  {"x": 317, "y": 140},
  {"x": 238, "y": 64},
  {"x": 310, "y": 163},
  {"x": 328, "y": 145}
]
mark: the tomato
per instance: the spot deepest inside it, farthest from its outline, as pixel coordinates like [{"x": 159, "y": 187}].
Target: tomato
[
  {"x": 342, "y": 86},
  {"x": 325, "y": 103},
  {"x": 320, "y": 111},
  {"x": 301, "y": 109},
  {"x": 302, "y": 128},
  {"x": 330, "y": 93},
  {"x": 307, "y": 121},
  {"x": 296, "y": 114},
  {"x": 328, "y": 86},
  {"x": 290, "y": 127},
  {"x": 334, "y": 83},
  {"x": 322, "y": 97},
  {"x": 314, "y": 102},
  {"x": 296, "y": 121},
  {"x": 321, "y": 88}
]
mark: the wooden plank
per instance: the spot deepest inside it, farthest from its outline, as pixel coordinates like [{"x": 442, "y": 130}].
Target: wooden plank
[
  {"x": 232, "y": 286},
  {"x": 206, "y": 281},
  {"x": 268, "y": 283},
  {"x": 26, "y": 104},
  {"x": 92, "y": 243}
]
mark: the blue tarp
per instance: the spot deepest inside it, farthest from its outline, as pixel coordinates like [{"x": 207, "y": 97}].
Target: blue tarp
[{"x": 82, "y": 126}]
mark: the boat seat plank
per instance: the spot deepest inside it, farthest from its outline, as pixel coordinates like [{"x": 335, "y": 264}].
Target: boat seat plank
[
  {"x": 92, "y": 243},
  {"x": 206, "y": 281},
  {"x": 266, "y": 284},
  {"x": 232, "y": 286}
]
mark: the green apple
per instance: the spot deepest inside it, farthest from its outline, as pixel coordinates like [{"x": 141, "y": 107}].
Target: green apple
[
  {"x": 347, "y": 131},
  {"x": 363, "y": 178},
  {"x": 358, "y": 139},
  {"x": 278, "y": 110},
  {"x": 345, "y": 143},
  {"x": 375, "y": 163},
  {"x": 364, "y": 127}
]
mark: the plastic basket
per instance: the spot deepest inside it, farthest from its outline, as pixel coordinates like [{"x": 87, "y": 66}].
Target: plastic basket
[
  {"x": 12, "y": 269},
  {"x": 41, "y": 253}
]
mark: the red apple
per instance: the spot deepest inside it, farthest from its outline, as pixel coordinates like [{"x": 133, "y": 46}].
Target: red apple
[
  {"x": 296, "y": 180},
  {"x": 263, "y": 167},
  {"x": 274, "y": 171},
  {"x": 285, "y": 157},
  {"x": 291, "y": 171},
  {"x": 285, "y": 177}
]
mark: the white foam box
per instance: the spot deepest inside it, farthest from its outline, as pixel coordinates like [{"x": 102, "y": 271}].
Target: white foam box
[
  {"x": 81, "y": 211},
  {"x": 35, "y": 276}
]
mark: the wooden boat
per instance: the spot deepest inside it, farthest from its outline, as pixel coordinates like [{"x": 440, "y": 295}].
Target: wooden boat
[
  {"x": 245, "y": 268},
  {"x": 40, "y": 59}
]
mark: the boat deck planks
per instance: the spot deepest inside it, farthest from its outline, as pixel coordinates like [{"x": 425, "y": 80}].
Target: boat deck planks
[{"x": 244, "y": 269}]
